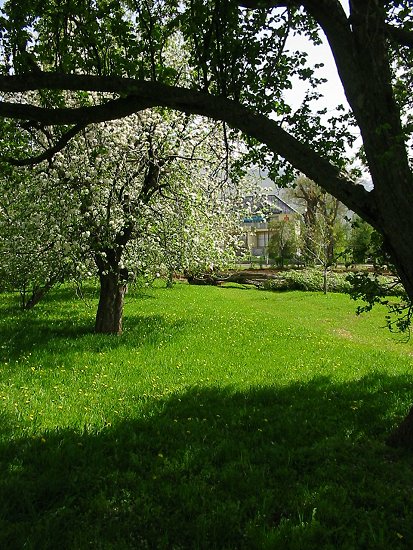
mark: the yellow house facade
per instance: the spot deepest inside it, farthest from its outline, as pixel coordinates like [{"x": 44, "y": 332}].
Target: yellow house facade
[{"x": 257, "y": 227}]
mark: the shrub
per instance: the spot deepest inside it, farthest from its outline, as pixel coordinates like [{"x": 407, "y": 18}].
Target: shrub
[{"x": 309, "y": 280}]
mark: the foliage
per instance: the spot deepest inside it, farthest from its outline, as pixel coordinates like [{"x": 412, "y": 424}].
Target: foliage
[
  {"x": 375, "y": 289},
  {"x": 257, "y": 428},
  {"x": 323, "y": 231},
  {"x": 147, "y": 191},
  {"x": 366, "y": 245},
  {"x": 360, "y": 242},
  {"x": 222, "y": 49},
  {"x": 40, "y": 238},
  {"x": 282, "y": 246},
  {"x": 308, "y": 280}
]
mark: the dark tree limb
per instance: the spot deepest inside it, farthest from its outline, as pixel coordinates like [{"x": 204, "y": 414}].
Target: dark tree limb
[
  {"x": 82, "y": 115},
  {"x": 401, "y": 36},
  {"x": 50, "y": 152},
  {"x": 145, "y": 94}
]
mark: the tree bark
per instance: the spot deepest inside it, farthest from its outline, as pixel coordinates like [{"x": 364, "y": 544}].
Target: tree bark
[
  {"x": 325, "y": 279},
  {"x": 38, "y": 294},
  {"x": 170, "y": 279},
  {"x": 113, "y": 284},
  {"x": 110, "y": 309}
]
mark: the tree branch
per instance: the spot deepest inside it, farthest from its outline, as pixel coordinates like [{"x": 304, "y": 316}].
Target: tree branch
[
  {"x": 145, "y": 94},
  {"x": 111, "y": 110},
  {"x": 267, "y": 4},
  {"x": 49, "y": 153},
  {"x": 401, "y": 36}
]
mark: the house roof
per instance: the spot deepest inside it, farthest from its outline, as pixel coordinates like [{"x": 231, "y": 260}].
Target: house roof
[
  {"x": 266, "y": 205},
  {"x": 281, "y": 204}
]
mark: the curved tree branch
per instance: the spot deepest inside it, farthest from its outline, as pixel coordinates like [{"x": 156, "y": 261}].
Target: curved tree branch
[
  {"x": 82, "y": 115},
  {"x": 150, "y": 94},
  {"x": 267, "y": 4},
  {"x": 401, "y": 36},
  {"x": 50, "y": 152}
]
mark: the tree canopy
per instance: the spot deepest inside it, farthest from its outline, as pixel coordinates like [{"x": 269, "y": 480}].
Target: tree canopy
[
  {"x": 123, "y": 200},
  {"x": 235, "y": 67},
  {"x": 239, "y": 69}
]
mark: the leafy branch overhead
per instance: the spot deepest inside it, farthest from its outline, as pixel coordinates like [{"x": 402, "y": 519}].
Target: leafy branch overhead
[
  {"x": 147, "y": 94},
  {"x": 233, "y": 64}
]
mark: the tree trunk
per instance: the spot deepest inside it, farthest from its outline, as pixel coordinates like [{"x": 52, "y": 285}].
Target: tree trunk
[
  {"x": 325, "y": 279},
  {"x": 402, "y": 254},
  {"x": 110, "y": 309},
  {"x": 170, "y": 279},
  {"x": 368, "y": 85},
  {"x": 38, "y": 294}
]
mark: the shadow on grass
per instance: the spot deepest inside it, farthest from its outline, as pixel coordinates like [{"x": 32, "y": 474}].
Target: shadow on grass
[
  {"x": 26, "y": 330},
  {"x": 29, "y": 331},
  {"x": 63, "y": 335},
  {"x": 302, "y": 466},
  {"x": 58, "y": 294},
  {"x": 237, "y": 286}
]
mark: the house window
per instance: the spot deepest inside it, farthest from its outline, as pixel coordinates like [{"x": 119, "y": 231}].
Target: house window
[{"x": 262, "y": 240}]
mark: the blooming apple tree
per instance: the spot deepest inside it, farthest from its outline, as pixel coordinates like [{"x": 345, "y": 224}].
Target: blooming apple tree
[
  {"x": 40, "y": 241},
  {"x": 143, "y": 195}
]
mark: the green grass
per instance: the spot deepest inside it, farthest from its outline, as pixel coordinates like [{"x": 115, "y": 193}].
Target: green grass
[{"x": 221, "y": 418}]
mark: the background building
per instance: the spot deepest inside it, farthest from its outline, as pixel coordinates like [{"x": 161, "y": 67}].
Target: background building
[{"x": 266, "y": 209}]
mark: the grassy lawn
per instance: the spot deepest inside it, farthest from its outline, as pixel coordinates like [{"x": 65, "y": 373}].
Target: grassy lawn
[{"x": 221, "y": 418}]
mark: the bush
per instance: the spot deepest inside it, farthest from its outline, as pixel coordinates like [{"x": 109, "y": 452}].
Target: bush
[{"x": 308, "y": 279}]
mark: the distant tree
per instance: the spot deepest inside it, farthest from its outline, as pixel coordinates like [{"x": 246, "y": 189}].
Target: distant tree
[
  {"x": 124, "y": 198},
  {"x": 39, "y": 235},
  {"x": 360, "y": 243},
  {"x": 323, "y": 234},
  {"x": 283, "y": 243},
  {"x": 316, "y": 246}
]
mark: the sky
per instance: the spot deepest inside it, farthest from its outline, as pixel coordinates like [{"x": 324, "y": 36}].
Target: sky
[{"x": 332, "y": 90}]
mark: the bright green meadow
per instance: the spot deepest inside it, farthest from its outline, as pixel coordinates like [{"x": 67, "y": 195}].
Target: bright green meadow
[{"x": 221, "y": 418}]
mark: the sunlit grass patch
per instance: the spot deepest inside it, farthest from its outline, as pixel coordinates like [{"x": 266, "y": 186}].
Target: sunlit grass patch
[{"x": 221, "y": 418}]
